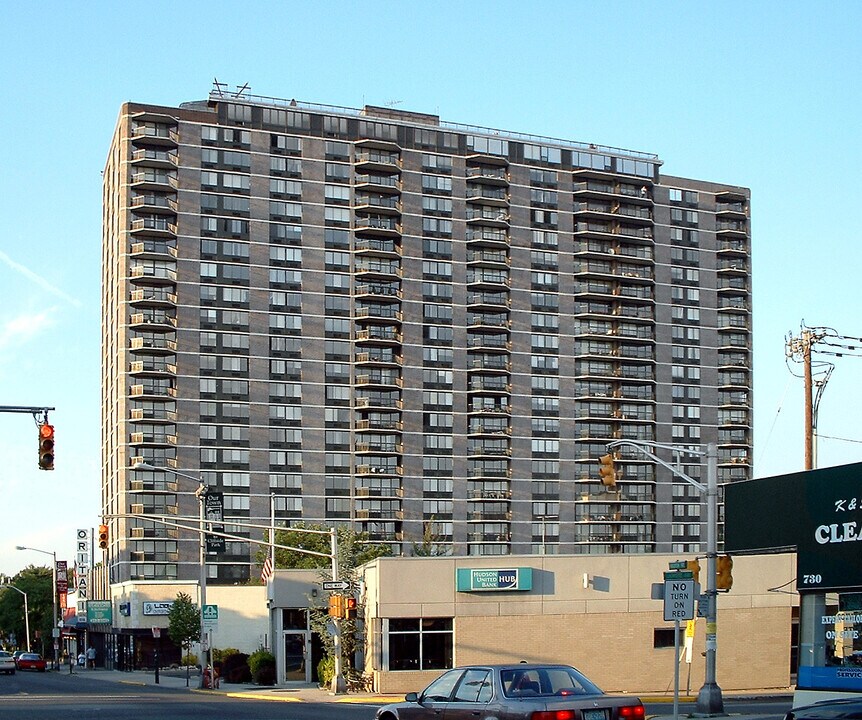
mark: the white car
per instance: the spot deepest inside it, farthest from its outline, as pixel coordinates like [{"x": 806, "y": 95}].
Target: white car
[{"x": 7, "y": 663}]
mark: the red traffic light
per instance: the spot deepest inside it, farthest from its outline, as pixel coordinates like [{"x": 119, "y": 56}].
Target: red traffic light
[
  {"x": 46, "y": 447},
  {"x": 103, "y": 537}
]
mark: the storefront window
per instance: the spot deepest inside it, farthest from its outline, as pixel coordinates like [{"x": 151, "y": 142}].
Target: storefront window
[
  {"x": 831, "y": 654},
  {"x": 420, "y": 643}
]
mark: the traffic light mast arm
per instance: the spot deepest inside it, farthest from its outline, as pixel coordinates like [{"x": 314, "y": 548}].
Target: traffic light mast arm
[{"x": 642, "y": 446}]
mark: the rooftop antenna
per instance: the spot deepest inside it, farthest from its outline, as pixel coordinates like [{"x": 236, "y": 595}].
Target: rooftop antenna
[
  {"x": 393, "y": 103},
  {"x": 219, "y": 87},
  {"x": 240, "y": 90}
]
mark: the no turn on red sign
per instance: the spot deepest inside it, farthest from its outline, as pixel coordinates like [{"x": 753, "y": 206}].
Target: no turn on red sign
[{"x": 679, "y": 599}]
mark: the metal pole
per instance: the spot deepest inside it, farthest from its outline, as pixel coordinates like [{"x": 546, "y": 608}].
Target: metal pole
[
  {"x": 709, "y": 700},
  {"x": 676, "y": 670},
  {"x": 201, "y": 493},
  {"x": 56, "y": 617},
  {"x": 809, "y": 400},
  {"x": 339, "y": 685},
  {"x": 26, "y": 618}
]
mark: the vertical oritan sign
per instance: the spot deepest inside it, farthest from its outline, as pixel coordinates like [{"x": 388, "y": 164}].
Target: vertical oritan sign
[{"x": 82, "y": 569}]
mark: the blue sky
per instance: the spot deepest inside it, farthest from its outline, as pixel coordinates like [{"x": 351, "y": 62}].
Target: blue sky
[{"x": 761, "y": 94}]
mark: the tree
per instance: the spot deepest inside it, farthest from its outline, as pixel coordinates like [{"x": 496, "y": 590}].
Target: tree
[
  {"x": 37, "y": 583},
  {"x": 353, "y": 550},
  {"x": 184, "y": 622},
  {"x": 430, "y": 545}
]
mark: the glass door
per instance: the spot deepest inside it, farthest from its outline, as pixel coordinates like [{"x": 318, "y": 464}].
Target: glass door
[{"x": 295, "y": 666}]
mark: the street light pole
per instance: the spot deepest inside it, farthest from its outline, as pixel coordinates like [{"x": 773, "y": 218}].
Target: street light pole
[
  {"x": 55, "y": 626},
  {"x": 709, "y": 699},
  {"x": 200, "y": 493},
  {"x": 26, "y": 612},
  {"x": 339, "y": 685}
]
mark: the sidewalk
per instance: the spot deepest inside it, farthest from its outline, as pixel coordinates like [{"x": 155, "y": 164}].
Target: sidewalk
[{"x": 311, "y": 693}]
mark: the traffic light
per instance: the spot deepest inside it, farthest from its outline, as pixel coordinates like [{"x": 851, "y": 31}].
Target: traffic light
[
  {"x": 350, "y": 608},
  {"x": 103, "y": 537},
  {"x": 693, "y": 566},
  {"x": 607, "y": 471},
  {"x": 46, "y": 447},
  {"x": 723, "y": 572},
  {"x": 336, "y": 606}
]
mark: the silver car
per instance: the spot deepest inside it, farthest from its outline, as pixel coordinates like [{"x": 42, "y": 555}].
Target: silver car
[
  {"x": 513, "y": 692},
  {"x": 7, "y": 663}
]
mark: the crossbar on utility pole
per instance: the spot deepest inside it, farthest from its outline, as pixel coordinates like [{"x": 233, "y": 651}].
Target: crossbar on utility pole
[{"x": 709, "y": 699}]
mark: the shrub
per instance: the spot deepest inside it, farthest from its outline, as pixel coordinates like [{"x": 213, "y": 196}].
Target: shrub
[
  {"x": 220, "y": 655},
  {"x": 262, "y": 666},
  {"x": 325, "y": 671},
  {"x": 191, "y": 659},
  {"x": 235, "y": 668}
]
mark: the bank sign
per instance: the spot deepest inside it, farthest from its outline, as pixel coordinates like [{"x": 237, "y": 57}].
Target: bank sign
[
  {"x": 488, "y": 580},
  {"x": 818, "y": 513}
]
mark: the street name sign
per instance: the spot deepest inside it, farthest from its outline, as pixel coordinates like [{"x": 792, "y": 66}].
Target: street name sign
[{"x": 679, "y": 599}]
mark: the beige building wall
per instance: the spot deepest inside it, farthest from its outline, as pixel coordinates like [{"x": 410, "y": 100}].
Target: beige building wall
[
  {"x": 606, "y": 629},
  {"x": 243, "y": 615}
]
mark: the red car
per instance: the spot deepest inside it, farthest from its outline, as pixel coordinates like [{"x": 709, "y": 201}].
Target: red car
[{"x": 31, "y": 661}]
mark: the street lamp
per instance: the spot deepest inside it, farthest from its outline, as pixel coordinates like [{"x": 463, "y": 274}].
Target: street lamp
[
  {"x": 709, "y": 700},
  {"x": 26, "y": 611},
  {"x": 56, "y": 624},
  {"x": 200, "y": 493}
]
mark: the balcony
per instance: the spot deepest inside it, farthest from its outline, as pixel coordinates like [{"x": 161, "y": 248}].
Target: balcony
[
  {"x": 152, "y": 414},
  {"x": 487, "y": 195},
  {"x": 497, "y": 320},
  {"x": 483, "y": 494},
  {"x": 378, "y": 225},
  {"x": 156, "y": 297},
  {"x": 365, "y": 270},
  {"x": 489, "y": 216},
  {"x": 488, "y": 257},
  {"x": 152, "y": 322},
  {"x": 491, "y": 300},
  {"x": 158, "y": 180},
  {"x": 490, "y": 280},
  {"x": 489, "y": 384},
  {"x": 485, "y": 451},
  {"x": 386, "y": 314},
  {"x": 377, "y": 247},
  {"x": 378, "y": 356},
  {"x": 378, "y": 291},
  {"x": 139, "y": 438},
  {"x": 378, "y": 183},
  {"x": 153, "y": 132},
  {"x": 149, "y": 202},
  {"x": 488, "y": 174},
  {"x": 379, "y": 379},
  {"x": 379, "y": 470},
  {"x": 379, "y": 335},
  {"x": 150, "y": 274},
  {"x": 362, "y": 402},
  {"x": 372, "y": 424},
  {"x": 488, "y": 516},
  {"x": 485, "y": 341},
  {"x": 371, "y": 160},
  {"x": 153, "y": 392},
  {"x": 489, "y": 363},
  {"x": 148, "y": 157},
  {"x": 153, "y": 250},
  {"x": 381, "y": 514},
  {"x": 731, "y": 228},
  {"x": 155, "y": 366},
  {"x": 479, "y": 236},
  {"x": 154, "y": 226},
  {"x": 489, "y": 409},
  {"x": 379, "y": 492},
  {"x": 156, "y": 345},
  {"x": 387, "y": 448},
  {"x": 386, "y": 204}
]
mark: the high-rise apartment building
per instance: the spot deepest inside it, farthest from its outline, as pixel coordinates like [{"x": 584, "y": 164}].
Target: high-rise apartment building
[{"x": 427, "y": 330}]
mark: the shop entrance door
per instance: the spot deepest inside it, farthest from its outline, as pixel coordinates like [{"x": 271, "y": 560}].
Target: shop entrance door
[{"x": 295, "y": 666}]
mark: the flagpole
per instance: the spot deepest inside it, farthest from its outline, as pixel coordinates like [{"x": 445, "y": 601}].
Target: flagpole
[{"x": 272, "y": 530}]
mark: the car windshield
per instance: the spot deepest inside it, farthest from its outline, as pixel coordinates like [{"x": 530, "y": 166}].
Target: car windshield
[{"x": 545, "y": 681}]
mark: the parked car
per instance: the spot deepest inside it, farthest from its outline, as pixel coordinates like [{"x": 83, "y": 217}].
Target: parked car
[
  {"x": 849, "y": 708},
  {"x": 31, "y": 661},
  {"x": 536, "y": 692},
  {"x": 7, "y": 663}
]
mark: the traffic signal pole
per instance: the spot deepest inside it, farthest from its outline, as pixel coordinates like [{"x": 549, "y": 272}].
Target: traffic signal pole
[
  {"x": 339, "y": 685},
  {"x": 709, "y": 699}
]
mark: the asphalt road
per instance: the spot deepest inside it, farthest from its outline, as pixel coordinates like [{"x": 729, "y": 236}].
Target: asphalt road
[
  {"x": 51, "y": 696},
  {"x": 37, "y": 696}
]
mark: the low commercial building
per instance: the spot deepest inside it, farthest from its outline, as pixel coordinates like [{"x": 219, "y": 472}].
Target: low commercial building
[{"x": 423, "y": 615}]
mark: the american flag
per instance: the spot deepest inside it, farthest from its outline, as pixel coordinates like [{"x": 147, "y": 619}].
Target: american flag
[{"x": 266, "y": 571}]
